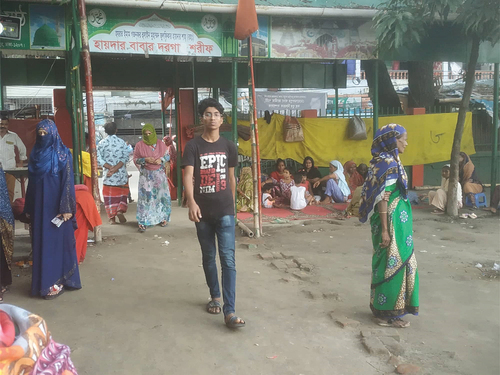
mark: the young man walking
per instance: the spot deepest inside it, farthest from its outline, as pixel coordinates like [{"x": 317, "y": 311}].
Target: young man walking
[{"x": 210, "y": 159}]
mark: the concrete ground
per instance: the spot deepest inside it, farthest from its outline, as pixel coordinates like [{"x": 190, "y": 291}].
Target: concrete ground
[{"x": 142, "y": 305}]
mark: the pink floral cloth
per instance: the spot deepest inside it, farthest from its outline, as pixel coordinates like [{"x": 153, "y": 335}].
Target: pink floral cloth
[{"x": 143, "y": 151}]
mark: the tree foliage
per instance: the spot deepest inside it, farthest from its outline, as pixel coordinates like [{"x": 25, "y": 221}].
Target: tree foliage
[
  {"x": 480, "y": 19},
  {"x": 404, "y": 22}
]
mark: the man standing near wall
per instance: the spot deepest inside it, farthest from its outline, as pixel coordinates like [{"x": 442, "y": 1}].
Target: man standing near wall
[
  {"x": 9, "y": 141},
  {"x": 210, "y": 185}
]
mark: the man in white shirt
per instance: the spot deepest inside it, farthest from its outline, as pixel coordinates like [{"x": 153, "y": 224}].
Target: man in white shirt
[{"x": 8, "y": 143}]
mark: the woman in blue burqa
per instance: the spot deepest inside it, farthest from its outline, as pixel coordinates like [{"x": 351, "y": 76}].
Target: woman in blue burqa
[{"x": 51, "y": 194}]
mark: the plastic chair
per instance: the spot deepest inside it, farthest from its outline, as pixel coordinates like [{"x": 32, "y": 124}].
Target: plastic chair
[{"x": 480, "y": 199}]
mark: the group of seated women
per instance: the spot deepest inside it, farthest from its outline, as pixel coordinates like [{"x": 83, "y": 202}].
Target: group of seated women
[
  {"x": 343, "y": 184},
  {"x": 338, "y": 186}
]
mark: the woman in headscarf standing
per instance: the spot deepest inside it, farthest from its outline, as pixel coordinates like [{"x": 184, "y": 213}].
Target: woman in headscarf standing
[
  {"x": 51, "y": 195},
  {"x": 6, "y": 236},
  {"x": 471, "y": 185},
  {"x": 337, "y": 189},
  {"x": 150, "y": 157},
  {"x": 395, "y": 280}
]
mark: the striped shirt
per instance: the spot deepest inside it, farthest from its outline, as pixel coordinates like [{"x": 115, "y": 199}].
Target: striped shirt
[{"x": 8, "y": 143}]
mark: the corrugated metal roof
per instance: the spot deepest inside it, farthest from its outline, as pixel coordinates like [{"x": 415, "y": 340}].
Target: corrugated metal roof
[{"x": 349, "y": 4}]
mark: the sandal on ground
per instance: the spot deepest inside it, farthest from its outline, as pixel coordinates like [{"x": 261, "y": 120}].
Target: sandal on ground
[
  {"x": 121, "y": 217},
  {"x": 437, "y": 212},
  {"x": 232, "y": 322},
  {"x": 142, "y": 228},
  {"x": 213, "y": 304},
  {"x": 1, "y": 299},
  {"x": 164, "y": 223},
  {"x": 112, "y": 221},
  {"x": 55, "y": 291},
  {"x": 393, "y": 322},
  {"x": 4, "y": 289}
]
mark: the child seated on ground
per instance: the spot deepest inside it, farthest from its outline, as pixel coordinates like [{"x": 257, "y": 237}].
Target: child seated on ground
[
  {"x": 267, "y": 199},
  {"x": 304, "y": 181},
  {"x": 439, "y": 197},
  {"x": 300, "y": 197}
]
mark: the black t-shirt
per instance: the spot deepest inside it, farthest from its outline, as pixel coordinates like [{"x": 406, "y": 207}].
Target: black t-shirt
[{"x": 211, "y": 162}]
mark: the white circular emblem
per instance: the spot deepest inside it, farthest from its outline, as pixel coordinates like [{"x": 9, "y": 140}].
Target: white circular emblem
[
  {"x": 97, "y": 17},
  {"x": 209, "y": 23}
]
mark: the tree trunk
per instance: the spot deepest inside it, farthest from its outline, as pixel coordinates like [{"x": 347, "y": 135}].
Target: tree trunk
[
  {"x": 451, "y": 206},
  {"x": 387, "y": 96},
  {"x": 420, "y": 84}
]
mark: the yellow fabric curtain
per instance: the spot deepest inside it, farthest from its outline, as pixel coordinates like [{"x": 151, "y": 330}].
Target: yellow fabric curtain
[
  {"x": 86, "y": 165},
  {"x": 430, "y": 138}
]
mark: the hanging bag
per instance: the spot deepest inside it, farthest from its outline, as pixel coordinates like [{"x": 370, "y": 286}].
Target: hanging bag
[
  {"x": 357, "y": 129},
  {"x": 292, "y": 131}
]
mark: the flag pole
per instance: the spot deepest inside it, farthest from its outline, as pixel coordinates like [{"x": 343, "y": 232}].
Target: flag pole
[{"x": 255, "y": 146}]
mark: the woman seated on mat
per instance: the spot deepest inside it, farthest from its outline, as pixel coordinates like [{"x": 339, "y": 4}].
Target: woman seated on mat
[
  {"x": 313, "y": 174},
  {"x": 244, "y": 202},
  {"x": 353, "y": 207},
  {"x": 439, "y": 197},
  {"x": 279, "y": 172},
  {"x": 337, "y": 189},
  {"x": 353, "y": 178},
  {"x": 282, "y": 196},
  {"x": 468, "y": 178}
]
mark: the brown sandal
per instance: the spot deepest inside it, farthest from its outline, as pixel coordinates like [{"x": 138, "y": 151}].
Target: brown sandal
[{"x": 121, "y": 217}]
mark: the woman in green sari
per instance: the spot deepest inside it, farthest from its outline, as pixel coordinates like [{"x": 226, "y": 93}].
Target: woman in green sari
[{"x": 395, "y": 281}]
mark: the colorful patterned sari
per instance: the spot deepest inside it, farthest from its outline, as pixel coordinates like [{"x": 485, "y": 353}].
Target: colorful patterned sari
[
  {"x": 33, "y": 351},
  {"x": 395, "y": 280},
  {"x": 244, "y": 201},
  {"x": 395, "y": 284}
]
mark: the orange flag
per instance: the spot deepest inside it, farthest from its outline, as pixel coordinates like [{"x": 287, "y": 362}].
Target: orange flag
[{"x": 246, "y": 19}]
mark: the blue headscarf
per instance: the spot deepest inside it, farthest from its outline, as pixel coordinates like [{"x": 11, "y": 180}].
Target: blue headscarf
[
  {"x": 5, "y": 207},
  {"x": 49, "y": 155},
  {"x": 385, "y": 169}
]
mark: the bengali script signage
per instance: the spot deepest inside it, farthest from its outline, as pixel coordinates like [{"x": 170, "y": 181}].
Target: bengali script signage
[
  {"x": 155, "y": 34},
  {"x": 291, "y": 102}
]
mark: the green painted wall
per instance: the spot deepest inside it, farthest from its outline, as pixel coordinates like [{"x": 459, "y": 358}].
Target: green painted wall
[{"x": 32, "y": 72}]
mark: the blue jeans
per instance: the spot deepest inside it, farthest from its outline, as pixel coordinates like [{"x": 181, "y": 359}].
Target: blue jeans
[{"x": 224, "y": 229}]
